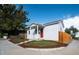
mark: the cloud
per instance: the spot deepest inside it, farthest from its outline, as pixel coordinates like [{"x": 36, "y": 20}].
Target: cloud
[{"x": 72, "y": 21}]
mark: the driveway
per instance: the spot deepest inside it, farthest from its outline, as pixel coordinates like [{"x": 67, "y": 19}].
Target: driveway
[{"x": 8, "y": 48}]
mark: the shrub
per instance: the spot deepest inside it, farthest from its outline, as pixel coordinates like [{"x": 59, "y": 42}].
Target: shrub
[{"x": 17, "y": 39}]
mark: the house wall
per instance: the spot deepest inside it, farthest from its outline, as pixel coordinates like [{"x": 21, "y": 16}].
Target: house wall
[
  {"x": 51, "y": 32},
  {"x": 77, "y": 35},
  {"x": 32, "y": 35}
]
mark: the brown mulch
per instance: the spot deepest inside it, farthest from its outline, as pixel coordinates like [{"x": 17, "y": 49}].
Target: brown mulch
[{"x": 17, "y": 39}]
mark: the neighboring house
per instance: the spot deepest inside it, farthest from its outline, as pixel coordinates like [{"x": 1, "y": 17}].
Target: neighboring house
[
  {"x": 48, "y": 31},
  {"x": 77, "y": 35}
]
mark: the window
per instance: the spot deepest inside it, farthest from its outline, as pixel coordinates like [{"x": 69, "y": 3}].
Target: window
[
  {"x": 35, "y": 32},
  {"x": 29, "y": 32}
]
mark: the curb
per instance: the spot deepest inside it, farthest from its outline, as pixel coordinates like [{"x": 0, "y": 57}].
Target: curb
[{"x": 45, "y": 49}]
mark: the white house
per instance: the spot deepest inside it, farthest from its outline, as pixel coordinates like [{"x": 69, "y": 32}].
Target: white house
[
  {"x": 77, "y": 35},
  {"x": 35, "y": 31},
  {"x": 51, "y": 30},
  {"x": 48, "y": 31}
]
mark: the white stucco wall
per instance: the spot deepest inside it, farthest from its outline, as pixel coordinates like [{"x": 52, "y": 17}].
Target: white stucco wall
[
  {"x": 77, "y": 34},
  {"x": 32, "y": 36},
  {"x": 52, "y": 32}
]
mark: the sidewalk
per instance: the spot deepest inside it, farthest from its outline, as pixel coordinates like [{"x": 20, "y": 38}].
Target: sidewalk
[{"x": 8, "y": 48}]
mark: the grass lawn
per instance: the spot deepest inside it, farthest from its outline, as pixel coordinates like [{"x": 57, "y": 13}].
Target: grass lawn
[{"x": 42, "y": 44}]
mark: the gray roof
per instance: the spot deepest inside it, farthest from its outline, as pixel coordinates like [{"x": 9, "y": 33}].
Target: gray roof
[
  {"x": 49, "y": 23},
  {"x": 39, "y": 25},
  {"x": 54, "y": 22}
]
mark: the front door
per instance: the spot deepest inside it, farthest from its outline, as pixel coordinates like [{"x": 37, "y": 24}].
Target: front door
[{"x": 41, "y": 33}]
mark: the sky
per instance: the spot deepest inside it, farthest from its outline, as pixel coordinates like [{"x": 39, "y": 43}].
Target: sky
[
  {"x": 44, "y": 13},
  {"x": 72, "y": 21}
]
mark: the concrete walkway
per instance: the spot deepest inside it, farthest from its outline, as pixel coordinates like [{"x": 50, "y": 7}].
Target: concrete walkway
[{"x": 8, "y": 48}]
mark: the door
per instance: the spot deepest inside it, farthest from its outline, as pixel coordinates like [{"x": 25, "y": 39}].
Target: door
[{"x": 41, "y": 33}]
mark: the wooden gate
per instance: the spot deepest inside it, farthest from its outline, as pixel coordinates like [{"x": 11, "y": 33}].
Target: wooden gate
[{"x": 64, "y": 37}]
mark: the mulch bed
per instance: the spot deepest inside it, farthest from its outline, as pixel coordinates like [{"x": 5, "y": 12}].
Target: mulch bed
[
  {"x": 17, "y": 39},
  {"x": 42, "y": 44}
]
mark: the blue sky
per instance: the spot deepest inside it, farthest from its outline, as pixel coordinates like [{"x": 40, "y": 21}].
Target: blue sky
[{"x": 43, "y": 13}]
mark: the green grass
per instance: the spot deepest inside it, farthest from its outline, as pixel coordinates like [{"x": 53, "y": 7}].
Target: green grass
[{"x": 42, "y": 44}]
